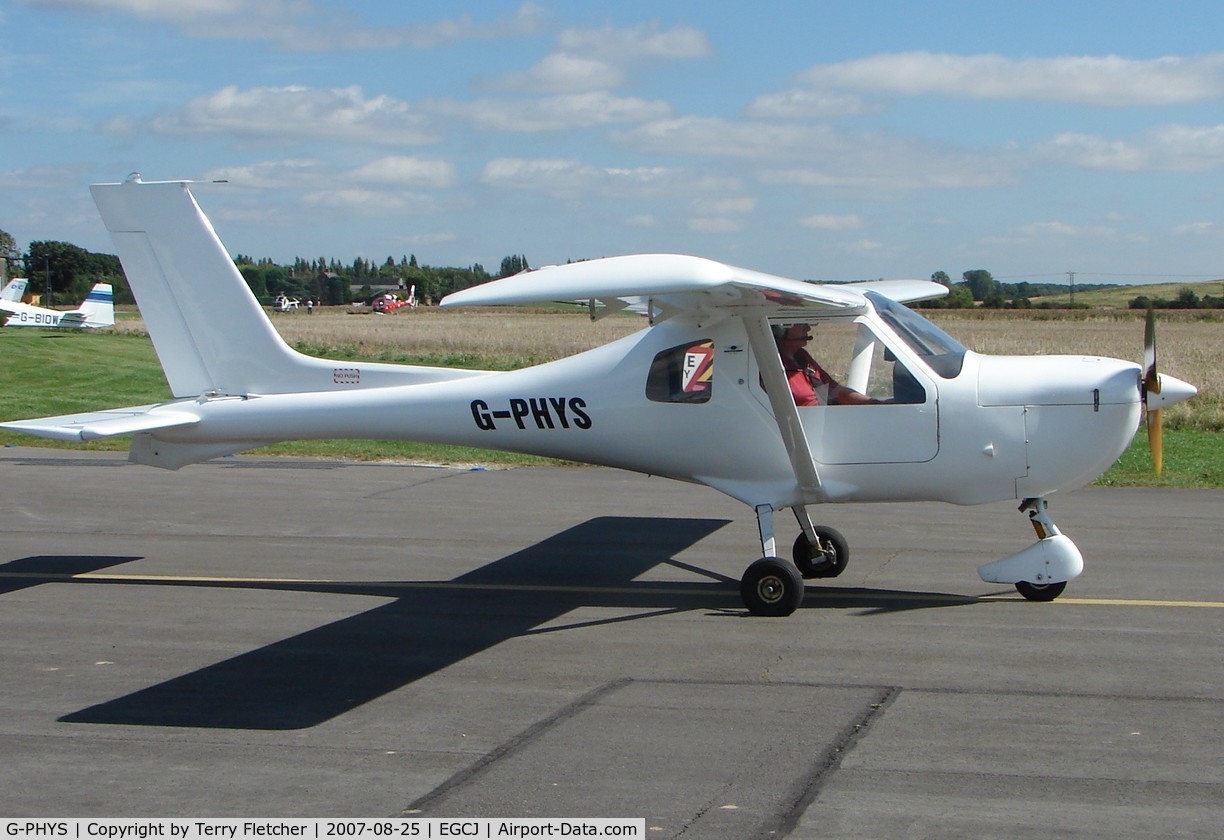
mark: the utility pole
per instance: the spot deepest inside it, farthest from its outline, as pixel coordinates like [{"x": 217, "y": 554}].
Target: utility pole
[{"x": 1071, "y": 281}]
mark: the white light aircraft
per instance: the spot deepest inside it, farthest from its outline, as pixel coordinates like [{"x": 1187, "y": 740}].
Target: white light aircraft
[
  {"x": 699, "y": 395},
  {"x": 97, "y": 310}
]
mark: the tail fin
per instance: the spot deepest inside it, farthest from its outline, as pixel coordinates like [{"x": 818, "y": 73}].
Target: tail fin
[
  {"x": 209, "y": 330},
  {"x": 211, "y": 334},
  {"x": 98, "y": 310},
  {"x": 14, "y": 290}
]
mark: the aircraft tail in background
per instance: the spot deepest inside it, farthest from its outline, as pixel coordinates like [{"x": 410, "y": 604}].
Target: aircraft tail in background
[
  {"x": 14, "y": 290},
  {"x": 98, "y": 308}
]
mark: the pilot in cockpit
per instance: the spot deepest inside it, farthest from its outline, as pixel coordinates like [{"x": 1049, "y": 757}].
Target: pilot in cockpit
[{"x": 810, "y": 383}]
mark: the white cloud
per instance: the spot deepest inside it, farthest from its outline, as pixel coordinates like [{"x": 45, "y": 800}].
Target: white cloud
[
  {"x": 1057, "y": 233},
  {"x": 280, "y": 174},
  {"x": 1056, "y": 228},
  {"x": 715, "y": 224},
  {"x": 434, "y": 238},
  {"x": 631, "y": 44},
  {"x": 298, "y": 25},
  {"x": 1169, "y": 148},
  {"x": 597, "y": 59},
  {"x": 565, "y": 73},
  {"x": 807, "y": 104},
  {"x": 713, "y": 136},
  {"x": 551, "y": 113},
  {"x": 1198, "y": 229},
  {"x": 401, "y": 170},
  {"x": 173, "y": 11},
  {"x": 862, "y": 246},
  {"x": 831, "y": 222},
  {"x": 295, "y": 113},
  {"x": 396, "y": 174},
  {"x": 368, "y": 202},
  {"x": 721, "y": 214},
  {"x": 732, "y": 206},
  {"x": 822, "y": 157},
  {"x": 1097, "y": 80},
  {"x": 572, "y": 179}
]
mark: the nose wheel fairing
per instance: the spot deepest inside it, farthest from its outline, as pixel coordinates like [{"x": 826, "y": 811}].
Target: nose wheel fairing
[{"x": 1038, "y": 569}]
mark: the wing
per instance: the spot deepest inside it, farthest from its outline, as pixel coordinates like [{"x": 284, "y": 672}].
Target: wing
[{"x": 675, "y": 280}]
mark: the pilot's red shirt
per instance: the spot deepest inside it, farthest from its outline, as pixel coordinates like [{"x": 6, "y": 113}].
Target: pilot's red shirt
[{"x": 807, "y": 379}]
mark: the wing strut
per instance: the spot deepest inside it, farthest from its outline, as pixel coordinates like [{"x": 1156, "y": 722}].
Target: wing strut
[{"x": 760, "y": 339}]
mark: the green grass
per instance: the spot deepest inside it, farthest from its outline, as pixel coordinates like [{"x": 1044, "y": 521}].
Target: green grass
[
  {"x": 1191, "y": 459},
  {"x": 45, "y": 373}
]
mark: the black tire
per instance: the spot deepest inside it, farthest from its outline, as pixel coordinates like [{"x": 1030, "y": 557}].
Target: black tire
[
  {"x": 1040, "y": 591},
  {"x": 771, "y": 587},
  {"x": 813, "y": 563}
]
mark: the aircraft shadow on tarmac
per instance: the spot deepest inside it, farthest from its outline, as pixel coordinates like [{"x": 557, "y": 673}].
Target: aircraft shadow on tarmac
[{"x": 317, "y": 675}]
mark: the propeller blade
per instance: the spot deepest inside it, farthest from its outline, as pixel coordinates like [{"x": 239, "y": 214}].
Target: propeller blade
[
  {"x": 1151, "y": 385},
  {"x": 1155, "y": 441},
  {"x": 1151, "y": 379}
]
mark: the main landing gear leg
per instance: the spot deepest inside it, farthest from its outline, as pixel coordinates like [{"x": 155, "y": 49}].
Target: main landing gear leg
[
  {"x": 770, "y": 586},
  {"x": 819, "y": 551}
]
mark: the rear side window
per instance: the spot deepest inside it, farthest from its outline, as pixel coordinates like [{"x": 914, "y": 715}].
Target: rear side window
[{"x": 682, "y": 374}]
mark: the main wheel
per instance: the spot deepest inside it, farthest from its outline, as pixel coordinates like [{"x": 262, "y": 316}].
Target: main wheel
[
  {"x": 1040, "y": 591},
  {"x": 814, "y": 563},
  {"x": 771, "y": 587}
]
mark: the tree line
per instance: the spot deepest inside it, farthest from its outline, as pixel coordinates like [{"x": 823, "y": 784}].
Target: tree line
[
  {"x": 1186, "y": 298},
  {"x": 67, "y": 272},
  {"x": 979, "y": 288}
]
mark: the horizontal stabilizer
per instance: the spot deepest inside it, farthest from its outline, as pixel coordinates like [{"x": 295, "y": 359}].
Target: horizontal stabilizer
[{"x": 100, "y": 424}]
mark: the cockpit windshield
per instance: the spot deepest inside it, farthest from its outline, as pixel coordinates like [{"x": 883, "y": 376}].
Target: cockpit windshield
[{"x": 940, "y": 351}]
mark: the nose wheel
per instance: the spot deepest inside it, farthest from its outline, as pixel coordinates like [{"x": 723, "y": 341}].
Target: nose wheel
[{"x": 1040, "y": 591}]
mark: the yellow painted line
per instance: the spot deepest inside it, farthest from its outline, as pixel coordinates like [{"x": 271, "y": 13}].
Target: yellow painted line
[
  {"x": 706, "y": 589},
  {"x": 1137, "y": 602}
]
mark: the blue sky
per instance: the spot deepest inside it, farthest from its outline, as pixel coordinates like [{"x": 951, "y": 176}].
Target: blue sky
[{"x": 826, "y": 141}]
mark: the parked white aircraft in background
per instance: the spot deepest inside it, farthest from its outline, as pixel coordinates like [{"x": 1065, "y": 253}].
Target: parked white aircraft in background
[
  {"x": 699, "y": 395},
  {"x": 97, "y": 310}
]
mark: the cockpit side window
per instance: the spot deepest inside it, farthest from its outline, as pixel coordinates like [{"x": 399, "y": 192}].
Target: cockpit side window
[
  {"x": 682, "y": 374},
  {"x": 859, "y": 369}
]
